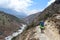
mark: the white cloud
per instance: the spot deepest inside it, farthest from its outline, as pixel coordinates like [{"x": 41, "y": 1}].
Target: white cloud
[
  {"x": 21, "y": 5},
  {"x": 3, "y": 3},
  {"x": 18, "y": 5},
  {"x": 51, "y": 1}
]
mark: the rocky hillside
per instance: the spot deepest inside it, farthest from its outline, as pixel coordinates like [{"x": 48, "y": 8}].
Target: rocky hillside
[
  {"x": 8, "y": 24},
  {"x": 51, "y": 32},
  {"x": 54, "y": 8},
  {"x": 30, "y": 20},
  {"x": 51, "y": 17}
]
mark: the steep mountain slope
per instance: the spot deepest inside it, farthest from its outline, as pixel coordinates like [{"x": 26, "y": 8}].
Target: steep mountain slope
[
  {"x": 52, "y": 27},
  {"x": 8, "y": 24},
  {"x": 48, "y": 12},
  {"x": 51, "y": 17},
  {"x": 32, "y": 18},
  {"x": 51, "y": 32}
]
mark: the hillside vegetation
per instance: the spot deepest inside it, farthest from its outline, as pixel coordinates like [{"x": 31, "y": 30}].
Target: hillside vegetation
[
  {"x": 8, "y": 24},
  {"x": 51, "y": 16}
]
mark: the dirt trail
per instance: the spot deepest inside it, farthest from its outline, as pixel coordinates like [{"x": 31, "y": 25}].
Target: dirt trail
[
  {"x": 51, "y": 32},
  {"x": 42, "y": 36},
  {"x": 48, "y": 34},
  {"x": 34, "y": 33}
]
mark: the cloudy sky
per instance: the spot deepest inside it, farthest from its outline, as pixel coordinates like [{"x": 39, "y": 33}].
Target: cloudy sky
[{"x": 26, "y": 6}]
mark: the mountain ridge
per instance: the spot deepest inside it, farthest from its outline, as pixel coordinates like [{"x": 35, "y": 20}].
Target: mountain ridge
[
  {"x": 8, "y": 24},
  {"x": 47, "y": 12},
  {"x": 50, "y": 16},
  {"x": 13, "y": 12}
]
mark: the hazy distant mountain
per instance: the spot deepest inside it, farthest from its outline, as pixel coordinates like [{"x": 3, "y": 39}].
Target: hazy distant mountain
[
  {"x": 32, "y": 18},
  {"x": 13, "y": 12}
]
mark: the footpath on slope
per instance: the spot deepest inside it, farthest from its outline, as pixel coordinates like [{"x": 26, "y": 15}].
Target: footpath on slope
[
  {"x": 51, "y": 31},
  {"x": 40, "y": 35},
  {"x": 34, "y": 33}
]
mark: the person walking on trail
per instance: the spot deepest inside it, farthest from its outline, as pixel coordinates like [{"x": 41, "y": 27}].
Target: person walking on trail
[{"x": 42, "y": 26}]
